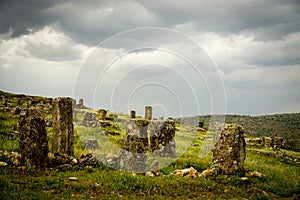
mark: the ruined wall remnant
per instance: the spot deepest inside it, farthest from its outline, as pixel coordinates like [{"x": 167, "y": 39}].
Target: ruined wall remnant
[
  {"x": 136, "y": 140},
  {"x": 32, "y": 136},
  {"x": 278, "y": 141},
  {"x": 162, "y": 135},
  {"x": 148, "y": 112},
  {"x": 268, "y": 141},
  {"x": 89, "y": 119},
  {"x": 63, "y": 134},
  {"x": 132, "y": 114},
  {"x": 229, "y": 150}
]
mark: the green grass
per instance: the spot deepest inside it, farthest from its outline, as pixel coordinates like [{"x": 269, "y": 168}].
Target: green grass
[{"x": 281, "y": 178}]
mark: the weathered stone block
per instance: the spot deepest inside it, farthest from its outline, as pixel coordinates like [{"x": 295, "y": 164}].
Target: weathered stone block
[
  {"x": 32, "y": 137},
  {"x": 148, "y": 112},
  {"x": 89, "y": 119},
  {"x": 63, "y": 133},
  {"x": 132, "y": 114},
  {"x": 102, "y": 114},
  {"x": 229, "y": 150}
]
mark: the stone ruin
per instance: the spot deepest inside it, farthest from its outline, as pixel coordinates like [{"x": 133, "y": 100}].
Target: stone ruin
[
  {"x": 32, "y": 136},
  {"x": 132, "y": 114},
  {"x": 142, "y": 136},
  {"x": 89, "y": 119},
  {"x": 271, "y": 142},
  {"x": 63, "y": 133},
  {"x": 229, "y": 150},
  {"x": 80, "y": 105}
]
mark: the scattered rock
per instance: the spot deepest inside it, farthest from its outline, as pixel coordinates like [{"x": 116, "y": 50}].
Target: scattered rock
[{"x": 72, "y": 178}]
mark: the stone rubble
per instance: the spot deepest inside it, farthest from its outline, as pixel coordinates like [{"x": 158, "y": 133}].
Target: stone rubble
[{"x": 89, "y": 119}]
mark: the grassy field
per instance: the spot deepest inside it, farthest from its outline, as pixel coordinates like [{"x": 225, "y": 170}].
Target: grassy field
[{"x": 281, "y": 176}]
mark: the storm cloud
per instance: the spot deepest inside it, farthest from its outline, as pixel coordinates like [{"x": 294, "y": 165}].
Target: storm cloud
[{"x": 251, "y": 47}]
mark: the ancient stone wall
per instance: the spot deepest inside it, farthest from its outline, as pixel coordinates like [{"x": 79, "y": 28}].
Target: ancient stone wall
[
  {"x": 63, "y": 134},
  {"x": 229, "y": 150},
  {"x": 32, "y": 136}
]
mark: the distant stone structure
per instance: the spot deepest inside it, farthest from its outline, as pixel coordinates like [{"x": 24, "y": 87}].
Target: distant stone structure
[
  {"x": 89, "y": 119},
  {"x": 80, "y": 104},
  {"x": 267, "y": 141},
  {"x": 32, "y": 137},
  {"x": 229, "y": 150},
  {"x": 63, "y": 134},
  {"x": 148, "y": 112},
  {"x": 132, "y": 114},
  {"x": 142, "y": 136}
]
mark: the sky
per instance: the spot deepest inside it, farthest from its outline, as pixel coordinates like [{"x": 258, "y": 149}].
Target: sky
[{"x": 183, "y": 58}]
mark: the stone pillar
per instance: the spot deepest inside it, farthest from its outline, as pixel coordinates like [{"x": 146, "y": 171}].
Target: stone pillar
[
  {"x": 148, "y": 112},
  {"x": 74, "y": 116},
  {"x": 32, "y": 137},
  {"x": 73, "y": 103},
  {"x": 102, "y": 114},
  {"x": 4, "y": 103},
  {"x": 29, "y": 103},
  {"x": 81, "y": 102},
  {"x": 229, "y": 151},
  {"x": 132, "y": 114},
  {"x": 63, "y": 134}
]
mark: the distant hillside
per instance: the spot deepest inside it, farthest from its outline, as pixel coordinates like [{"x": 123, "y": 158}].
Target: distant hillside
[{"x": 285, "y": 125}]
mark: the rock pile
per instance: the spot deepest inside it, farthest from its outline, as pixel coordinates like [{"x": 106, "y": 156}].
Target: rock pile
[{"x": 89, "y": 119}]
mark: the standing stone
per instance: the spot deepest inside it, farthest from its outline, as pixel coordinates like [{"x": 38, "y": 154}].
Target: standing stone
[
  {"x": 81, "y": 103},
  {"x": 63, "y": 134},
  {"x": 229, "y": 150},
  {"x": 268, "y": 142},
  {"x": 132, "y": 114},
  {"x": 148, "y": 112},
  {"x": 102, "y": 114},
  {"x": 73, "y": 103},
  {"x": 75, "y": 115},
  {"x": 32, "y": 137},
  {"x": 4, "y": 103}
]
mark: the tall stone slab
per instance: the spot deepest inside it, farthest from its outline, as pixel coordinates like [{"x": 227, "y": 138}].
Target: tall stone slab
[
  {"x": 63, "y": 134},
  {"x": 148, "y": 112},
  {"x": 102, "y": 114},
  {"x": 32, "y": 136},
  {"x": 132, "y": 114},
  {"x": 229, "y": 150}
]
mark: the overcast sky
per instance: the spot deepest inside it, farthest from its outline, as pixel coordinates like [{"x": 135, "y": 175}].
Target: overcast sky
[{"x": 182, "y": 57}]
